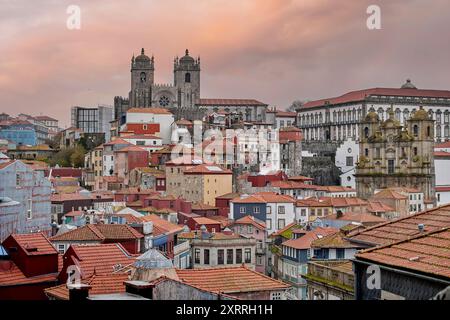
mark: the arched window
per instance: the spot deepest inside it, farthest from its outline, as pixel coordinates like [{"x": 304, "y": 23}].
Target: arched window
[
  {"x": 187, "y": 77},
  {"x": 366, "y": 132},
  {"x": 143, "y": 77},
  {"x": 416, "y": 130}
]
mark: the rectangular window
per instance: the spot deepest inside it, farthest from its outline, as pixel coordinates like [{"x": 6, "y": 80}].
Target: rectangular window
[
  {"x": 61, "y": 248},
  {"x": 248, "y": 255},
  {"x": 255, "y": 209},
  {"x": 242, "y": 209},
  {"x": 340, "y": 253},
  {"x": 281, "y": 223},
  {"x": 303, "y": 212},
  {"x": 281, "y": 210},
  {"x": 206, "y": 256},
  {"x": 229, "y": 256},
  {"x": 220, "y": 256},
  {"x": 238, "y": 255},
  {"x": 197, "y": 256},
  {"x": 29, "y": 211},
  {"x": 349, "y": 161},
  {"x": 269, "y": 224},
  {"x": 269, "y": 209},
  {"x": 391, "y": 167}
]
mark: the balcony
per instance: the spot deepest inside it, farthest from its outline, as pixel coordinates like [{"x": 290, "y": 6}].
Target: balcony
[
  {"x": 181, "y": 247},
  {"x": 337, "y": 275}
]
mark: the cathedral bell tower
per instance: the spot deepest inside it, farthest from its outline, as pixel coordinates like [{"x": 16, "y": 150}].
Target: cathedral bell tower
[
  {"x": 187, "y": 80},
  {"x": 142, "y": 78}
]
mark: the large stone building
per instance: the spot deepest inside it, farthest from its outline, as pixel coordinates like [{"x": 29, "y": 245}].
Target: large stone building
[
  {"x": 183, "y": 96},
  {"x": 339, "y": 118},
  {"x": 392, "y": 155}
]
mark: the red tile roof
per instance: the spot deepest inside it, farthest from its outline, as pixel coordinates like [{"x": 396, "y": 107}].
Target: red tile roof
[
  {"x": 164, "y": 226},
  {"x": 378, "y": 206},
  {"x": 264, "y": 197},
  {"x": 360, "y": 95},
  {"x": 99, "y": 232},
  {"x": 99, "y": 258},
  {"x": 230, "y": 280},
  {"x": 442, "y": 145},
  {"x": 286, "y": 114},
  {"x": 334, "y": 240},
  {"x": 291, "y": 185},
  {"x": 11, "y": 275},
  {"x": 204, "y": 221},
  {"x": 304, "y": 242},
  {"x": 427, "y": 253},
  {"x": 356, "y": 217},
  {"x": 389, "y": 194},
  {"x": 34, "y": 244},
  {"x": 149, "y": 110},
  {"x": 100, "y": 284},
  {"x": 230, "y": 102},
  {"x": 335, "y": 189},
  {"x": 344, "y": 201},
  {"x": 116, "y": 141},
  {"x": 404, "y": 228},
  {"x": 441, "y": 154},
  {"x": 250, "y": 220},
  {"x": 207, "y": 169},
  {"x": 443, "y": 189}
]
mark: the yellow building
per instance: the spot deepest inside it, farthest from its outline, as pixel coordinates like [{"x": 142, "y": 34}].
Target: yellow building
[{"x": 203, "y": 183}]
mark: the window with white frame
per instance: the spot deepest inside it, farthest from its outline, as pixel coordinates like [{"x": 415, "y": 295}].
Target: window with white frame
[
  {"x": 275, "y": 295},
  {"x": 242, "y": 209},
  {"x": 61, "y": 248},
  {"x": 256, "y": 210},
  {"x": 269, "y": 224},
  {"x": 281, "y": 210}
]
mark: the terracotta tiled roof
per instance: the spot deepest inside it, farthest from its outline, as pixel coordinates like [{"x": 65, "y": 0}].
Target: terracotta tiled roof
[
  {"x": 304, "y": 242},
  {"x": 229, "y": 196},
  {"x": 132, "y": 149},
  {"x": 210, "y": 236},
  {"x": 344, "y": 201},
  {"x": 378, "y": 206},
  {"x": 389, "y": 194},
  {"x": 149, "y": 110},
  {"x": 100, "y": 284},
  {"x": 286, "y": 114},
  {"x": 230, "y": 102},
  {"x": 334, "y": 240},
  {"x": 141, "y": 137},
  {"x": 100, "y": 258},
  {"x": 360, "y": 95},
  {"x": 6, "y": 163},
  {"x": 443, "y": 189},
  {"x": 300, "y": 178},
  {"x": 34, "y": 244},
  {"x": 99, "y": 232},
  {"x": 229, "y": 280},
  {"x": 442, "y": 145},
  {"x": 207, "y": 169},
  {"x": 334, "y": 189},
  {"x": 163, "y": 225},
  {"x": 356, "y": 217},
  {"x": 10, "y": 275},
  {"x": 427, "y": 253},
  {"x": 204, "y": 221},
  {"x": 186, "y": 160},
  {"x": 311, "y": 202},
  {"x": 116, "y": 141},
  {"x": 404, "y": 228},
  {"x": 441, "y": 154},
  {"x": 264, "y": 197},
  {"x": 250, "y": 220}
]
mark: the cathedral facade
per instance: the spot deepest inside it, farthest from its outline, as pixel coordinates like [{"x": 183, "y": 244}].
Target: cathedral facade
[
  {"x": 392, "y": 155},
  {"x": 180, "y": 96}
]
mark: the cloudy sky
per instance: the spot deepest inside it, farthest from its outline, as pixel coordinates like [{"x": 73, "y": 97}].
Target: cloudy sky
[{"x": 275, "y": 51}]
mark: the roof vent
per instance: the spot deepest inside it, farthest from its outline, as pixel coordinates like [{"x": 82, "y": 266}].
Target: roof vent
[{"x": 421, "y": 227}]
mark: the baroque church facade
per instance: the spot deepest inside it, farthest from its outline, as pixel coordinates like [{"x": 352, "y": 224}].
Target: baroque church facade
[
  {"x": 392, "y": 155},
  {"x": 179, "y": 97}
]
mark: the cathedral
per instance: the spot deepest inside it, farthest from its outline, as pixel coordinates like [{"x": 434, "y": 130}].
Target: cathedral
[
  {"x": 392, "y": 155},
  {"x": 181, "y": 96}
]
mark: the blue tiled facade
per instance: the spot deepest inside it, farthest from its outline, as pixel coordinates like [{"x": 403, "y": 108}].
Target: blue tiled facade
[
  {"x": 19, "y": 136},
  {"x": 257, "y": 210}
]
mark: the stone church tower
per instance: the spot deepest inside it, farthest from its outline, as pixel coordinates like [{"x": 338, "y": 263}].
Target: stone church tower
[
  {"x": 142, "y": 78},
  {"x": 395, "y": 156},
  {"x": 180, "y": 97}
]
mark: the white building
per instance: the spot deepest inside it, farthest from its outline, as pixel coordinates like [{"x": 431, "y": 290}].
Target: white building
[
  {"x": 346, "y": 158},
  {"x": 147, "y": 142},
  {"x": 338, "y": 118},
  {"x": 153, "y": 115}
]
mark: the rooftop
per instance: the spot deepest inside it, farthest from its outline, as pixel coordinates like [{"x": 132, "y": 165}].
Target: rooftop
[
  {"x": 304, "y": 242},
  {"x": 149, "y": 110},
  {"x": 99, "y": 232},
  {"x": 425, "y": 253},
  {"x": 264, "y": 197},
  {"x": 230, "y": 102},
  {"x": 229, "y": 280},
  {"x": 404, "y": 228},
  {"x": 34, "y": 244}
]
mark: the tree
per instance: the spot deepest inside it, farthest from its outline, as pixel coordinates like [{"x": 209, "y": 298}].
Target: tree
[
  {"x": 297, "y": 104},
  {"x": 77, "y": 156}
]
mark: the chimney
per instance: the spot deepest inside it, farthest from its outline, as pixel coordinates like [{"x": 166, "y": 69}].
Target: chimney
[
  {"x": 140, "y": 288},
  {"x": 54, "y": 228},
  {"x": 78, "y": 292}
]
